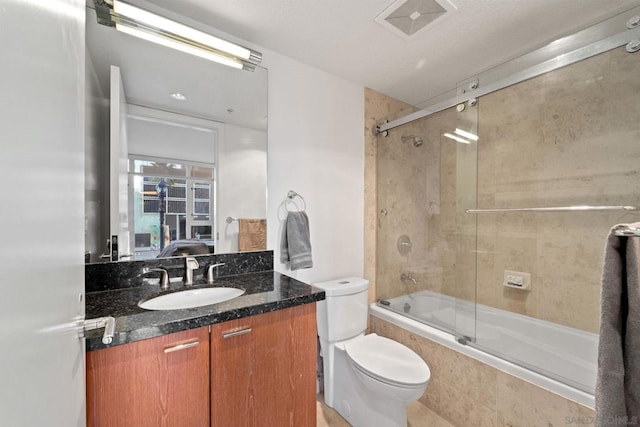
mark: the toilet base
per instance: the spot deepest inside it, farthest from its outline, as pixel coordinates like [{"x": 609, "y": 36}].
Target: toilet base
[
  {"x": 358, "y": 405},
  {"x": 379, "y": 414}
]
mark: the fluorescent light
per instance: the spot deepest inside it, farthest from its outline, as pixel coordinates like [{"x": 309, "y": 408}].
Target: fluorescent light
[
  {"x": 456, "y": 138},
  {"x": 157, "y": 29},
  {"x": 155, "y": 38},
  {"x": 170, "y": 26},
  {"x": 466, "y": 134}
]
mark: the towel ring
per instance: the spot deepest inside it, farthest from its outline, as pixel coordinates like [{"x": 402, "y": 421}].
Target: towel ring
[{"x": 291, "y": 195}]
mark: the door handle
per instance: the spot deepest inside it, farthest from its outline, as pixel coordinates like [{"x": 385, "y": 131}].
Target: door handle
[
  {"x": 183, "y": 346},
  {"x": 108, "y": 323},
  {"x": 226, "y": 335}
]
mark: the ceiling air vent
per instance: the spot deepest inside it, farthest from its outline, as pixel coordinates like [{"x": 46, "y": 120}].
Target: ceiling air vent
[{"x": 407, "y": 17}]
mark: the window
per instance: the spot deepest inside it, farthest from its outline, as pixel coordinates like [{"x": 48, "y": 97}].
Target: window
[
  {"x": 175, "y": 201},
  {"x": 184, "y": 211}
]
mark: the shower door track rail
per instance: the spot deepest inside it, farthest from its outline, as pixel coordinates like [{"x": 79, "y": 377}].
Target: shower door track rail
[
  {"x": 599, "y": 38},
  {"x": 554, "y": 209}
]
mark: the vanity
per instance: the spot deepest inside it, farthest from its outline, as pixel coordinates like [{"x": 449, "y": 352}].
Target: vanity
[{"x": 248, "y": 361}]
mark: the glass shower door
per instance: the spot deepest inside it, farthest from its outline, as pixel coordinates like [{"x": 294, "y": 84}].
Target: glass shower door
[{"x": 561, "y": 139}]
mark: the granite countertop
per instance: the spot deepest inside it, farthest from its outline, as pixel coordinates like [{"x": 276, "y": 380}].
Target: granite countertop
[{"x": 264, "y": 292}]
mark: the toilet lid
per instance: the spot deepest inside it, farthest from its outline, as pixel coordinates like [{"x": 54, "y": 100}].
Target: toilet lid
[{"x": 388, "y": 360}]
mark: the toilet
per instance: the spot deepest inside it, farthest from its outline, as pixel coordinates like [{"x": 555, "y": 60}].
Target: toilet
[{"x": 370, "y": 380}]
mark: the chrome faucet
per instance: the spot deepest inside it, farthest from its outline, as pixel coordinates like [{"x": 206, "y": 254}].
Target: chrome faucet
[
  {"x": 210, "y": 278},
  {"x": 164, "y": 276},
  {"x": 190, "y": 264}
]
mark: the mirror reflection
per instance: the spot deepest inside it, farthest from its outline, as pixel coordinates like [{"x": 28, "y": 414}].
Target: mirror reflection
[{"x": 175, "y": 151}]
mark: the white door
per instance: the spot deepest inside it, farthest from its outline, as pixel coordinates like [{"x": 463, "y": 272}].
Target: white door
[
  {"x": 118, "y": 170},
  {"x": 42, "y": 241}
]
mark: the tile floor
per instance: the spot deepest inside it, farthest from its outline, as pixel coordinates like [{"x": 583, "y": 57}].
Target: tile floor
[{"x": 419, "y": 416}]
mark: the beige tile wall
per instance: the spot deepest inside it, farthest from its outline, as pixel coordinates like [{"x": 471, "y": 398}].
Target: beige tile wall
[
  {"x": 416, "y": 189},
  {"x": 378, "y": 107},
  {"x": 469, "y": 393},
  {"x": 569, "y": 137}
]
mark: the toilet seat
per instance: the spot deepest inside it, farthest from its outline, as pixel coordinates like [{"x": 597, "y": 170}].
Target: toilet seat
[{"x": 388, "y": 361}]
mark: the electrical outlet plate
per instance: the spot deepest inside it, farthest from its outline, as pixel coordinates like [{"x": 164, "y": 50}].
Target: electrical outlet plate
[{"x": 517, "y": 280}]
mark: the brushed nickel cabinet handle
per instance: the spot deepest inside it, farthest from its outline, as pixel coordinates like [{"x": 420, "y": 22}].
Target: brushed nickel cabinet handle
[
  {"x": 236, "y": 333},
  {"x": 182, "y": 346}
]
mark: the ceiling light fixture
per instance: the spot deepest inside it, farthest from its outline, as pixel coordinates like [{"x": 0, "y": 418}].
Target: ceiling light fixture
[
  {"x": 456, "y": 138},
  {"x": 154, "y": 28},
  {"x": 178, "y": 96}
]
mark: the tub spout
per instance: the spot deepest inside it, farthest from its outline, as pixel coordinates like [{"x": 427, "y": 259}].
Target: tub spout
[{"x": 409, "y": 277}]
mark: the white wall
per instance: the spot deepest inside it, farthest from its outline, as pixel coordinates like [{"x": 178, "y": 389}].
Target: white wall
[
  {"x": 242, "y": 178},
  {"x": 316, "y": 148}
]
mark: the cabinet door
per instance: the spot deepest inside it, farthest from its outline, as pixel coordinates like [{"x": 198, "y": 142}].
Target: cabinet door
[
  {"x": 263, "y": 370},
  {"x": 157, "y": 382}
]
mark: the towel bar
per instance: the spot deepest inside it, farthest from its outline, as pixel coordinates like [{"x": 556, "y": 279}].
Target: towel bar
[{"x": 555, "y": 209}]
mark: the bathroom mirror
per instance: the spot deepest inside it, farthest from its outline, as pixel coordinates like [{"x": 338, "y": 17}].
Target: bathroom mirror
[{"x": 197, "y": 149}]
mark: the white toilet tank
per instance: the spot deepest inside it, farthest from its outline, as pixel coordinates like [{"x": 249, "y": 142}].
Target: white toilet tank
[{"x": 343, "y": 314}]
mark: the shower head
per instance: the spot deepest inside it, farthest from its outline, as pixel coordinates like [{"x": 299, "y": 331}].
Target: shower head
[{"x": 415, "y": 140}]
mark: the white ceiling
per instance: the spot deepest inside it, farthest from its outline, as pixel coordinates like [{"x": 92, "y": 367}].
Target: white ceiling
[{"x": 342, "y": 37}]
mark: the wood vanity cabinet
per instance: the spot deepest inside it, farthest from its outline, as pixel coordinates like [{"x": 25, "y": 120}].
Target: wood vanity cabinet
[
  {"x": 162, "y": 381},
  {"x": 263, "y": 370},
  {"x": 251, "y": 372}
]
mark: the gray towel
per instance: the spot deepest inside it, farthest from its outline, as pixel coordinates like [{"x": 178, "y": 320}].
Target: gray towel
[
  {"x": 295, "y": 246},
  {"x": 618, "y": 381}
]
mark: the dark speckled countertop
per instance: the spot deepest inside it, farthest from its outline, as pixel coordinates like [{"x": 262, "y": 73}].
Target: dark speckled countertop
[{"x": 265, "y": 291}]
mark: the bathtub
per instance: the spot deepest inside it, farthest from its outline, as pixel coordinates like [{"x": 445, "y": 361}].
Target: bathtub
[{"x": 558, "y": 358}]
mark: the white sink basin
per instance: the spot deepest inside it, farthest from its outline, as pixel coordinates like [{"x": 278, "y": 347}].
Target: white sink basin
[{"x": 191, "y": 298}]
